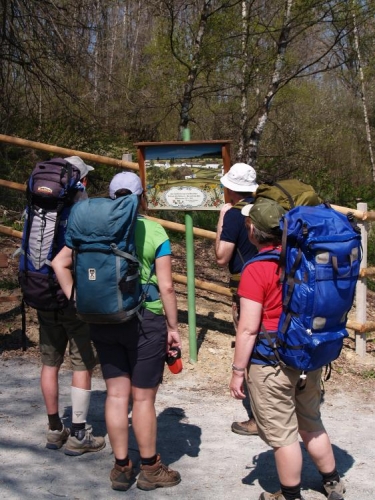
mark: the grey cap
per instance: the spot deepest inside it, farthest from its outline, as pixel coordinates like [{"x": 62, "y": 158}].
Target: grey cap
[
  {"x": 125, "y": 180},
  {"x": 80, "y": 164}
]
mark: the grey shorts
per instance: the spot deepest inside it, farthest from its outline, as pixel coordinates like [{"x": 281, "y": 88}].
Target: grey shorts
[
  {"x": 280, "y": 408},
  {"x": 59, "y": 329},
  {"x": 135, "y": 348}
]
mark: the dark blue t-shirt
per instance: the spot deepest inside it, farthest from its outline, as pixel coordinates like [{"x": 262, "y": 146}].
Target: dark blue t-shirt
[{"x": 234, "y": 231}]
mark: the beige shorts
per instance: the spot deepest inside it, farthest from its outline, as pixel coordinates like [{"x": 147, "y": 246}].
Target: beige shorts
[
  {"x": 59, "y": 329},
  {"x": 280, "y": 408}
]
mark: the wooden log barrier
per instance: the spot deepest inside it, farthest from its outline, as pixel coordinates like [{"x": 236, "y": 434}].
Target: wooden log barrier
[
  {"x": 10, "y": 298},
  {"x": 358, "y": 214},
  {"x": 203, "y": 285},
  {"x": 17, "y": 141},
  {"x": 359, "y": 328},
  {"x": 10, "y": 232},
  {"x": 175, "y": 226},
  {"x": 356, "y": 326},
  {"x": 367, "y": 271},
  {"x": 12, "y": 185}
]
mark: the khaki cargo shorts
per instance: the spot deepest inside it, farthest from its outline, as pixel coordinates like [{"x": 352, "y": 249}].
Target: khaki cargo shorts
[
  {"x": 280, "y": 408},
  {"x": 59, "y": 329}
]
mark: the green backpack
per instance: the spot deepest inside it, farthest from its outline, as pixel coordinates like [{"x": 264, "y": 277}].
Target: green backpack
[{"x": 289, "y": 193}]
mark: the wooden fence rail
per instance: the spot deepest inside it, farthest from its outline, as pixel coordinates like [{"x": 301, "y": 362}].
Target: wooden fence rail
[{"x": 360, "y": 325}]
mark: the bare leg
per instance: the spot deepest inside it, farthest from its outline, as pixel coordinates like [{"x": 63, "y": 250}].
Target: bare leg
[
  {"x": 144, "y": 420},
  {"x": 82, "y": 379},
  {"x": 289, "y": 464},
  {"x": 319, "y": 447},
  {"x": 116, "y": 414},
  {"x": 49, "y": 383}
]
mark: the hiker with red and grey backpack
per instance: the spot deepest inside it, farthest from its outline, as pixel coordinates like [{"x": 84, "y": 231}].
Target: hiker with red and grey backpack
[
  {"x": 53, "y": 188},
  {"x": 286, "y": 399}
]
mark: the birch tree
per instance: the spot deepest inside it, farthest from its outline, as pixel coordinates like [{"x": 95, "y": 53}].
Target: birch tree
[
  {"x": 363, "y": 90},
  {"x": 311, "y": 32}
]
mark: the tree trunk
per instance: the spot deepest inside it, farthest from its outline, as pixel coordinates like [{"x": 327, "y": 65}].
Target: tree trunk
[
  {"x": 193, "y": 70},
  {"x": 255, "y": 135},
  {"x": 363, "y": 92},
  {"x": 244, "y": 119}
]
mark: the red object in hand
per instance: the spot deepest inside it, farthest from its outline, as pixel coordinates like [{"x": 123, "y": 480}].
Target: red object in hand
[{"x": 174, "y": 362}]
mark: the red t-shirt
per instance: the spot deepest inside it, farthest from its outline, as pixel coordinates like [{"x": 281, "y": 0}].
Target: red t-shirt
[{"x": 260, "y": 282}]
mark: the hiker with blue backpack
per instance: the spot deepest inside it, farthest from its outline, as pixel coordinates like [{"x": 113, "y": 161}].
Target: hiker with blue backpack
[
  {"x": 53, "y": 188},
  {"x": 132, "y": 329},
  {"x": 286, "y": 399}
]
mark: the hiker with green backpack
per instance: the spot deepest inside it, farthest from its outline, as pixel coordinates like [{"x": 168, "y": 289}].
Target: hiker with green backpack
[
  {"x": 283, "y": 407},
  {"x": 233, "y": 248}
]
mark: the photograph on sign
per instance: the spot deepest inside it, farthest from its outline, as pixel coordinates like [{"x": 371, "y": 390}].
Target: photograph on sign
[{"x": 184, "y": 177}]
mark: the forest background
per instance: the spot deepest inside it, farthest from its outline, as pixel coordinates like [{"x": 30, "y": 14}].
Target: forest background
[{"x": 290, "y": 82}]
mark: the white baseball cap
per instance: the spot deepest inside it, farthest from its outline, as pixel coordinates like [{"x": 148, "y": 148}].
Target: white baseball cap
[
  {"x": 241, "y": 177},
  {"x": 125, "y": 180},
  {"x": 80, "y": 164}
]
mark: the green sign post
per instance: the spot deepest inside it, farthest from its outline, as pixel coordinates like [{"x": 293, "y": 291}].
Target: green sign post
[{"x": 185, "y": 175}]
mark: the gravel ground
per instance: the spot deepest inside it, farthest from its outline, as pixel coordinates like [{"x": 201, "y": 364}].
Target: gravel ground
[{"x": 194, "y": 438}]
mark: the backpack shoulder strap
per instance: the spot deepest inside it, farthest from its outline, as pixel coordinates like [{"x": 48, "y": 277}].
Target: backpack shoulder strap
[
  {"x": 273, "y": 254},
  {"x": 239, "y": 206},
  {"x": 287, "y": 194}
]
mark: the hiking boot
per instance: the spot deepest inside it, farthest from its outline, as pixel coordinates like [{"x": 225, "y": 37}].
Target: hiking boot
[
  {"x": 248, "y": 428},
  {"x": 122, "y": 477},
  {"x": 157, "y": 476},
  {"x": 85, "y": 442},
  {"x": 274, "y": 496},
  {"x": 335, "y": 490},
  {"x": 55, "y": 439}
]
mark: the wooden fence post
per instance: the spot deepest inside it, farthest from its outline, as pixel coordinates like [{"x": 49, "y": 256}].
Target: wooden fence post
[{"x": 361, "y": 288}]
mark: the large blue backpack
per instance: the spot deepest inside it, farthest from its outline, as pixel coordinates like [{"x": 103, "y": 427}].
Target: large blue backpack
[
  {"x": 101, "y": 233},
  {"x": 319, "y": 268},
  {"x": 51, "y": 189}
]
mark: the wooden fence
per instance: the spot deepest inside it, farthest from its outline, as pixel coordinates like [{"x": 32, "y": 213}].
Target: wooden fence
[{"x": 360, "y": 325}]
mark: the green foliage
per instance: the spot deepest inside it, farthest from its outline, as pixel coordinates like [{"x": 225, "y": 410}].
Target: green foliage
[
  {"x": 110, "y": 74},
  {"x": 371, "y": 252},
  {"x": 203, "y": 219},
  {"x": 8, "y": 284},
  {"x": 368, "y": 374},
  {"x": 206, "y": 219}
]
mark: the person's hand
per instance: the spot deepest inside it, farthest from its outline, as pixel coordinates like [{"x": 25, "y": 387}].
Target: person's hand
[
  {"x": 173, "y": 340},
  {"x": 236, "y": 385}
]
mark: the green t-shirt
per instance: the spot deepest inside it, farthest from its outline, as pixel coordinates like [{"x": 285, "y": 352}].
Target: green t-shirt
[{"x": 149, "y": 237}]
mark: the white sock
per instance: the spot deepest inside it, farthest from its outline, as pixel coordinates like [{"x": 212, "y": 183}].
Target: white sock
[{"x": 80, "y": 404}]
